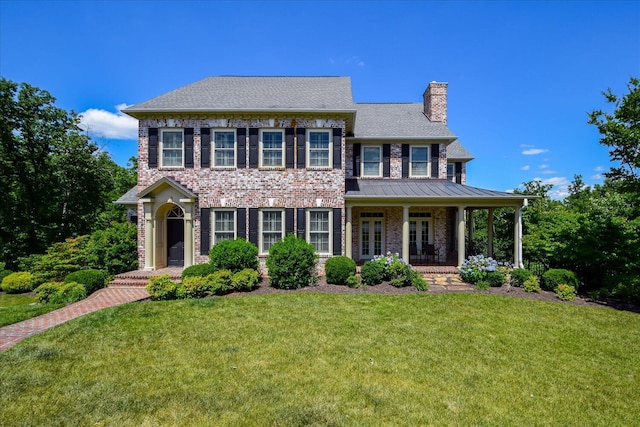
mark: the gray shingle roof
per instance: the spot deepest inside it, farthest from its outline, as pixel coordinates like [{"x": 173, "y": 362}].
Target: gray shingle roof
[
  {"x": 128, "y": 198},
  {"x": 427, "y": 190},
  {"x": 397, "y": 121},
  {"x": 455, "y": 151},
  {"x": 236, "y": 93}
]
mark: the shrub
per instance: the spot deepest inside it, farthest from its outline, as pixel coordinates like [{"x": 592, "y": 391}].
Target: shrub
[
  {"x": 45, "y": 290},
  {"x": 3, "y": 271},
  {"x": 476, "y": 267},
  {"x": 114, "y": 249},
  {"x": 354, "y": 281},
  {"x": 556, "y": 276},
  {"x": 483, "y": 285},
  {"x": 532, "y": 284},
  {"x": 234, "y": 255},
  {"x": 245, "y": 280},
  {"x": 372, "y": 272},
  {"x": 17, "y": 283},
  {"x": 201, "y": 270},
  {"x": 218, "y": 283},
  {"x": 496, "y": 278},
  {"x": 161, "y": 288},
  {"x": 60, "y": 292},
  {"x": 338, "y": 269},
  {"x": 92, "y": 280},
  {"x": 292, "y": 263},
  {"x": 519, "y": 275},
  {"x": 566, "y": 292},
  {"x": 419, "y": 282},
  {"x": 191, "y": 287},
  {"x": 61, "y": 259}
]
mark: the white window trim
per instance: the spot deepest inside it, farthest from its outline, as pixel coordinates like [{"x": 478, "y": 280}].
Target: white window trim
[
  {"x": 261, "y": 149},
  {"x": 451, "y": 178},
  {"x": 308, "y": 149},
  {"x": 411, "y": 174},
  {"x": 329, "y": 232},
  {"x": 379, "y": 175},
  {"x": 213, "y": 224},
  {"x": 383, "y": 242},
  {"x": 162, "y": 130},
  {"x": 213, "y": 148},
  {"x": 261, "y": 231}
]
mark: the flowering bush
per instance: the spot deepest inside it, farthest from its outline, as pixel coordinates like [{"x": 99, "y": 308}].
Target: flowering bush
[
  {"x": 391, "y": 268},
  {"x": 566, "y": 292},
  {"x": 476, "y": 268}
]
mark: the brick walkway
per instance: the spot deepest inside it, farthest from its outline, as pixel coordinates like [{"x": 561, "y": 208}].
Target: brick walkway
[{"x": 12, "y": 334}]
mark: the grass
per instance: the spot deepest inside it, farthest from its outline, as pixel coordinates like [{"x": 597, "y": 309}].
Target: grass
[
  {"x": 321, "y": 359},
  {"x": 15, "y": 308}
]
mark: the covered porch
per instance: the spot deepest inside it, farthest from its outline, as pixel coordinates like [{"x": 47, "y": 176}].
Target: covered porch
[{"x": 422, "y": 220}]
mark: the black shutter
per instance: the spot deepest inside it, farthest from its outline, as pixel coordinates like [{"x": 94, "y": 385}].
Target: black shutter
[
  {"x": 253, "y": 147},
  {"x": 288, "y": 221},
  {"x": 253, "y": 225},
  {"x": 386, "y": 160},
  {"x": 337, "y": 231},
  {"x": 301, "y": 147},
  {"x": 241, "y": 223},
  {"x": 188, "y": 147},
  {"x": 405, "y": 160},
  {"x": 356, "y": 160},
  {"x": 153, "y": 147},
  {"x": 289, "y": 148},
  {"x": 302, "y": 221},
  {"x": 337, "y": 148},
  {"x": 458, "y": 172},
  {"x": 241, "y": 134},
  {"x": 205, "y": 231},
  {"x": 205, "y": 144},
  {"x": 435, "y": 156}
]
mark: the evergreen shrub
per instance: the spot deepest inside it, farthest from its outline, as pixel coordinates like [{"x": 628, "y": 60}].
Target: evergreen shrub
[
  {"x": 245, "y": 280},
  {"x": 566, "y": 292},
  {"x": 519, "y": 275},
  {"x": 556, "y": 276},
  {"x": 234, "y": 255},
  {"x": 195, "y": 270},
  {"x": 338, "y": 269},
  {"x": 162, "y": 288},
  {"x": 292, "y": 263},
  {"x": 92, "y": 280},
  {"x": 532, "y": 284},
  {"x": 60, "y": 292},
  {"x": 17, "y": 283}
]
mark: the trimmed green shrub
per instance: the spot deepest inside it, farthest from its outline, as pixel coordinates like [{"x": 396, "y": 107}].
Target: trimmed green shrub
[
  {"x": 532, "y": 284},
  {"x": 218, "y": 283},
  {"x": 45, "y": 290},
  {"x": 245, "y": 280},
  {"x": 114, "y": 249},
  {"x": 292, "y": 263},
  {"x": 60, "y": 292},
  {"x": 354, "y": 281},
  {"x": 161, "y": 288},
  {"x": 519, "y": 275},
  {"x": 496, "y": 278},
  {"x": 234, "y": 255},
  {"x": 4, "y": 272},
  {"x": 338, "y": 269},
  {"x": 483, "y": 285},
  {"x": 17, "y": 283},
  {"x": 92, "y": 280},
  {"x": 191, "y": 287},
  {"x": 61, "y": 259},
  {"x": 201, "y": 270},
  {"x": 372, "y": 272},
  {"x": 556, "y": 276},
  {"x": 566, "y": 292}
]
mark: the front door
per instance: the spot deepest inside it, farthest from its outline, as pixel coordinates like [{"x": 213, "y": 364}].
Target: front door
[
  {"x": 175, "y": 238},
  {"x": 371, "y": 237}
]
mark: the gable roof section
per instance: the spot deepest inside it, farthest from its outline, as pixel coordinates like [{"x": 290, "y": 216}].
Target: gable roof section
[
  {"x": 455, "y": 151},
  {"x": 128, "y": 198},
  {"x": 238, "y": 93},
  {"x": 397, "y": 121},
  {"x": 164, "y": 182}
]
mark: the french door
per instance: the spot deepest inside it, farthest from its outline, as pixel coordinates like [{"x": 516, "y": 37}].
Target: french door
[{"x": 371, "y": 235}]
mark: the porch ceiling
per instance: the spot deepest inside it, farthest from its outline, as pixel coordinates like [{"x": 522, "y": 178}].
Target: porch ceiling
[{"x": 427, "y": 191}]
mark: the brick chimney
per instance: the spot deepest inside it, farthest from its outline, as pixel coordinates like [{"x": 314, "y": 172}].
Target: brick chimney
[{"x": 435, "y": 102}]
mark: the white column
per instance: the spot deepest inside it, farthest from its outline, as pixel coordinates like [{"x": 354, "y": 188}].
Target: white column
[
  {"x": 517, "y": 239},
  {"x": 461, "y": 240},
  {"x": 348, "y": 236},
  {"x": 149, "y": 235},
  {"x": 405, "y": 234},
  {"x": 189, "y": 247},
  {"x": 490, "y": 233}
]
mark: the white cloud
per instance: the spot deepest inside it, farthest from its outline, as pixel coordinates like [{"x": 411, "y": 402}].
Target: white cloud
[
  {"x": 548, "y": 172},
  {"x": 599, "y": 169},
  {"x": 109, "y": 125},
  {"x": 534, "y": 151},
  {"x": 596, "y": 177},
  {"x": 543, "y": 166},
  {"x": 560, "y": 188},
  {"x": 525, "y": 168},
  {"x": 526, "y": 145}
]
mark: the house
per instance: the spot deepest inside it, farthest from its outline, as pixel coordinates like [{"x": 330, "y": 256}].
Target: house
[{"x": 262, "y": 157}]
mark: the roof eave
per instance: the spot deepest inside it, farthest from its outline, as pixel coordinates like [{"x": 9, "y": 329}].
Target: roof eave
[
  {"x": 144, "y": 112},
  {"x": 403, "y": 138}
]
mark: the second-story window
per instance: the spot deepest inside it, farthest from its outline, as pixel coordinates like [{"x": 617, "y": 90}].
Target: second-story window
[
  {"x": 272, "y": 148},
  {"x": 172, "y": 142},
  {"x": 319, "y": 147},
  {"x": 371, "y": 161},
  {"x": 224, "y": 149},
  {"x": 451, "y": 172},
  {"x": 419, "y": 160}
]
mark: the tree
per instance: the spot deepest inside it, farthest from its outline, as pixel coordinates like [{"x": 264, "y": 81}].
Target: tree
[{"x": 621, "y": 133}]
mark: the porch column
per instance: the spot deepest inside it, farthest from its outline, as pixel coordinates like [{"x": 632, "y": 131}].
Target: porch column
[
  {"x": 461, "y": 239},
  {"x": 189, "y": 249},
  {"x": 149, "y": 235},
  {"x": 517, "y": 239},
  {"x": 348, "y": 238},
  {"x": 405, "y": 234},
  {"x": 490, "y": 233}
]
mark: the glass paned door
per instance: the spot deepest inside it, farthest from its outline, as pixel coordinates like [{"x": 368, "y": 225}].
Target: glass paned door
[{"x": 371, "y": 237}]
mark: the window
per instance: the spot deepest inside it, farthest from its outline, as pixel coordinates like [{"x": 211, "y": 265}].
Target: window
[
  {"x": 224, "y": 149},
  {"x": 172, "y": 147},
  {"x": 371, "y": 163},
  {"x": 272, "y": 228},
  {"x": 318, "y": 226},
  {"x": 451, "y": 172},
  {"x": 419, "y": 161},
  {"x": 319, "y": 148},
  {"x": 272, "y": 148},
  {"x": 224, "y": 225}
]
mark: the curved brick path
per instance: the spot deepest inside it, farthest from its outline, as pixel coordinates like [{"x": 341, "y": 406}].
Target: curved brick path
[{"x": 108, "y": 297}]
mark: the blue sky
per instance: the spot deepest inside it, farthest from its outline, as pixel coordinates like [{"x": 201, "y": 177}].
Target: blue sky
[{"x": 522, "y": 75}]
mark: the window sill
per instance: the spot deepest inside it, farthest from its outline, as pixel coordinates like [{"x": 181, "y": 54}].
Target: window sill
[
  {"x": 322, "y": 168},
  {"x": 171, "y": 168},
  {"x": 224, "y": 168},
  {"x": 272, "y": 168}
]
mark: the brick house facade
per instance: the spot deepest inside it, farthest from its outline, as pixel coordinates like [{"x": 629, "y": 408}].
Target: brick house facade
[{"x": 262, "y": 157}]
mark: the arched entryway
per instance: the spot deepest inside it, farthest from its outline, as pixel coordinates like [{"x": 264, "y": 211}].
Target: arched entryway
[{"x": 175, "y": 237}]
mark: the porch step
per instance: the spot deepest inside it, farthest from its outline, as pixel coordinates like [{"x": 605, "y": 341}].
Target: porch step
[
  {"x": 140, "y": 278},
  {"x": 127, "y": 283}
]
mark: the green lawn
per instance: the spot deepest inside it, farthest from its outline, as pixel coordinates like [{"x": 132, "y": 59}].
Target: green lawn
[
  {"x": 322, "y": 359},
  {"x": 16, "y": 308}
]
